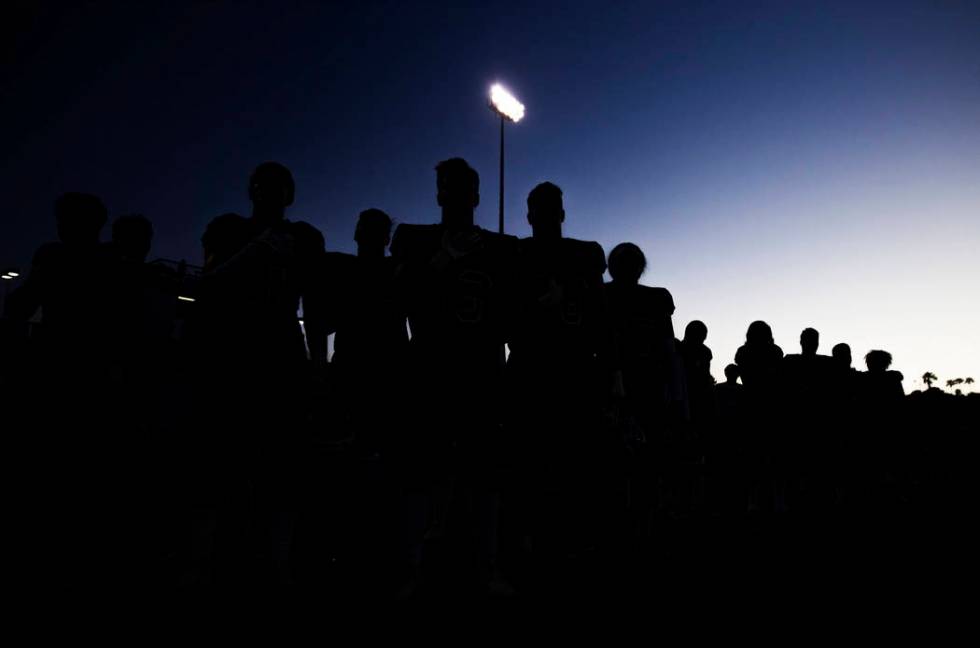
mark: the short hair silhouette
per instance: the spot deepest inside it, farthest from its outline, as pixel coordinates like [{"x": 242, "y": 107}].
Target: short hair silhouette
[
  {"x": 878, "y": 360},
  {"x": 80, "y": 217},
  {"x": 132, "y": 234},
  {"x": 457, "y": 183},
  {"x": 759, "y": 333},
  {"x": 272, "y": 183},
  {"x": 842, "y": 353},
  {"x": 732, "y": 373},
  {"x": 696, "y": 331},
  {"x": 544, "y": 195},
  {"x": 809, "y": 340},
  {"x": 372, "y": 225},
  {"x": 627, "y": 263}
]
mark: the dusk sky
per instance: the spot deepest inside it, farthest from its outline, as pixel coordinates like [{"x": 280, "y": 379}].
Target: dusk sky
[{"x": 809, "y": 164}]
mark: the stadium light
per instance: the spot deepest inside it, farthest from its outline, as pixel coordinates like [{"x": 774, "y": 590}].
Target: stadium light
[
  {"x": 510, "y": 109},
  {"x": 7, "y": 277},
  {"x": 505, "y": 103},
  {"x": 13, "y": 274},
  {"x": 186, "y": 299}
]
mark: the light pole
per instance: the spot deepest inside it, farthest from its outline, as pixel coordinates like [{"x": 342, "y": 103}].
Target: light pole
[{"x": 510, "y": 109}]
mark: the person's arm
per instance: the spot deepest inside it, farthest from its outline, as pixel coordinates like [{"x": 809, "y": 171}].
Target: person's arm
[
  {"x": 275, "y": 244},
  {"x": 316, "y": 327},
  {"x": 609, "y": 346},
  {"x": 23, "y": 301}
]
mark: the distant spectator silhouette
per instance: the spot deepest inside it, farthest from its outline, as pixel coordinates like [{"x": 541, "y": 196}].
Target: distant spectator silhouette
[
  {"x": 808, "y": 448},
  {"x": 724, "y": 460},
  {"x": 882, "y": 384},
  {"x": 697, "y": 368},
  {"x": 729, "y": 393},
  {"x": 884, "y": 435},
  {"x": 759, "y": 363},
  {"x": 841, "y": 353},
  {"x": 759, "y": 359}
]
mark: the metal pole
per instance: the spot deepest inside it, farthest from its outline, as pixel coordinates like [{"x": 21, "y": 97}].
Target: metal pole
[{"x": 501, "y": 227}]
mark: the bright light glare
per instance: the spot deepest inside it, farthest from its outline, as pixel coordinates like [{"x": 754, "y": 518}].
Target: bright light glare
[
  {"x": 505, "y": 103},
  {"x": 7, "y": 277},
  {"x": 13, "y": 274},
  {"x": 188, "y": 299}
]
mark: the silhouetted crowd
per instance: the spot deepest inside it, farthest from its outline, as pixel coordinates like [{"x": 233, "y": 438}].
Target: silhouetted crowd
[{"x": 493, "y": 416}]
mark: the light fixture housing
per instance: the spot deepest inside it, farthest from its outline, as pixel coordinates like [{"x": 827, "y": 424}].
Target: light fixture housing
[{"x": 506, "y": 104}]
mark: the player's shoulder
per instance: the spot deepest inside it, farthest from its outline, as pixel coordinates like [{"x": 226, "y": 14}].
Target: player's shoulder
[
  {"x": 409, "y": 230},
  {"x": 338, "y": 261},
  {"x": 507, "y": 241},
  {"x": 661, "y": 296},
  {"x": 410, "y": 236},
  {"x": 306, "y": 235},
  {"x": 48, "y": 252},
  {"x": 589, "y": 253}
]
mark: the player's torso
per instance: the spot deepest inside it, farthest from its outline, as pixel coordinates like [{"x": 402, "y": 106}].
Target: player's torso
[
  {"x": 558, "y": 286},
  {"x": 642, "y": 322},
  {"x": 371, "y": 321},
  {"x": 458, "y": 285}
]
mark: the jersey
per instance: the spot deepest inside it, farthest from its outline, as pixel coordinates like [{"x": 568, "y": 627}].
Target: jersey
[
  {"x": 457, "y": 290},
  {"x": 642, "y": 324},
  {"x": 559, "y": 317},
  {"x": 253, "y": 298},
  {"x": 368, "y": 315}
]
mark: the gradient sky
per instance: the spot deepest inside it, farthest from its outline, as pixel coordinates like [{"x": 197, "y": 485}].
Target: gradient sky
[{"x": 810, "y": 164}]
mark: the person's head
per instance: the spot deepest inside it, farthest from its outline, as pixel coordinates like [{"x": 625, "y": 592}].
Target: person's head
[
  {"x": 759, "y": 333},
  {"x": 878, "y": 361},
  {"x": 696, "y": 332},
  {"x": 271, "y": 189},
  {"x": 457, "y": 187},
  {"x": 731, "y": 374},
  {"x": 80, "y": 218},
  {"x": 842, "y": 354},
  {"x": 131, "y": 236},
  {"x": 627, "y": 263},
  {"x": 545, "y": 212},
  {"x": 809, "y": 341},
  {"x": 373, "y": 232},
  {"x": 224, "y": 237}
]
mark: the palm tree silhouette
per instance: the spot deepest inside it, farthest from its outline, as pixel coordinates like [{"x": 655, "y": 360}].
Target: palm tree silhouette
[
  {"x": 928, "y": 378},
  {"x": 954, "y": 382}
]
